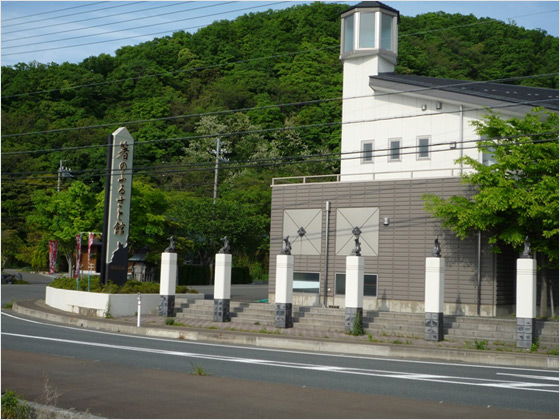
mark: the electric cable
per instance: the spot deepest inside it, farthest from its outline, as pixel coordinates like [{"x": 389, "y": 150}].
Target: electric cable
[
  {"x": 50, "y": 11},
  {"x": 258, "y": 131},
  {"x": 116, "y": 23},
  {"x": 138, "y": 36}
]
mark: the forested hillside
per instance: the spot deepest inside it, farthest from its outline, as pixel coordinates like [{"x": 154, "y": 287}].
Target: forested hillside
[{"x": 268, "y": 85}]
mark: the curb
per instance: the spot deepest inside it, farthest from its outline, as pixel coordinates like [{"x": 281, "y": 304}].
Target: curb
[{"x": 287, "y": 343}]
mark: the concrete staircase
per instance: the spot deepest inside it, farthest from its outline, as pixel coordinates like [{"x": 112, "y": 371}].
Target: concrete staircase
[{"x": 458, "y": 329}]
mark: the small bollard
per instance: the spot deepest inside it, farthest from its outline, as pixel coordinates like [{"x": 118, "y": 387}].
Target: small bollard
[{"x": 139, "y": 309}]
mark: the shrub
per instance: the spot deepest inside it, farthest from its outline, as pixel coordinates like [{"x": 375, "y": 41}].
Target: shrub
[
  {"x": 13, "y": 408},
  {"x": 131, "y": 286}
]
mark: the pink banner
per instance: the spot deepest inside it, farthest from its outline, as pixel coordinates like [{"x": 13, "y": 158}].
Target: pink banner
[
  {"x": 53, "y": 251},
  {"x": 89, "y": 243},
  {"x": 78, "y": 255}
]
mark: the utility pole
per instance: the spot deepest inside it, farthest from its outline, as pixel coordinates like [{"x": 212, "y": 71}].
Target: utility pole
[
  {"x": 62, "y": 173},
  {"x": 217, "y": 152}
]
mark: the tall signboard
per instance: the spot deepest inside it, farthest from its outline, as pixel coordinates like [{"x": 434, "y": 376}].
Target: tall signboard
[{"x": 116, "y": 221}]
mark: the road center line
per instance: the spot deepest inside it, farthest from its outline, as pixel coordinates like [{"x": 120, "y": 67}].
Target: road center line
[
  {"x": 331, "y": 369},
  {"x": 261, "y": 349}
]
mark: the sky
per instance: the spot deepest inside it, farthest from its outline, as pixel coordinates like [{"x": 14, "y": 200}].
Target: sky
[{"x": 70, "y": 31}]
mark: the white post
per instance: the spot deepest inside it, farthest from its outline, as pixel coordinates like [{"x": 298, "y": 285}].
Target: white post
[
  {"x": 168, "y": 283},
  {"x": 139, "y": 309},
  {"x": 222, "y": 288},
  {"x": 284, "y": 291},
  {"x": 433, "y": 298},
  {"x": 354, "y": 295},
  {"x": 526, "y": 302}
]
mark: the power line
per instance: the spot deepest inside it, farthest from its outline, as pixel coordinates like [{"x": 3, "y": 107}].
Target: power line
[
  {"x": 128, "y": 29},
  {"x": 173, "y": 73},
  {"x": 51, "y": 11},
  {"x": 400, "y": 35},
  {"x": 302, "y": 159},
  {"x": 414, "y": 90},
  {"x": 139, "y": 36},
  {"x": 73, "y": 14},
  {"x": 117, "y": 22}
]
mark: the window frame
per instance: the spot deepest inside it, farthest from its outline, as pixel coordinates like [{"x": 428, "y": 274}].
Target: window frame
[
  {"x": 336, "y": 286},
  {"x": 303, "y": 290},
  {"x": 418, "y": 154},
  {"x": 390, "y": 157},
  {"x": 363, "y": 151}
]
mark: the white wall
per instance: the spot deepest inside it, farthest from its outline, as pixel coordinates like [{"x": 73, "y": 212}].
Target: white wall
[
  {"x": 398, "y": 116},
  {"x": 99, "y": 304}
]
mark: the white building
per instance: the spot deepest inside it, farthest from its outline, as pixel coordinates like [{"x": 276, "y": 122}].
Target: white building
[{"x": 401, "y": 136}]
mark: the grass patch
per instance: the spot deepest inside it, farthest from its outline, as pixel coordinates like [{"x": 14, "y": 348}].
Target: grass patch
[
  {"x": 265, "y": 331},
  {"x": 198, "y": 370},
  {"x": 172, "y": 322},
  {"x": 9, "y": 305}
]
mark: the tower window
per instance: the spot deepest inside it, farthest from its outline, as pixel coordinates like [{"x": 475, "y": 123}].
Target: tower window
[
  {"x": 367, "y": 30},
  {"x": 386, "y": 32},
  {"x": 349, "y": 33}
]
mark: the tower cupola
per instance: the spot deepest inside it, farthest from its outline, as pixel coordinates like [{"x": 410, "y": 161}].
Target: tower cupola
[{"x": 370, "y": 29}]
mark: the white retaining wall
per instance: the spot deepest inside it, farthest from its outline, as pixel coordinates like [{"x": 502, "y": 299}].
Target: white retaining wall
[{"x": 100, "y": 304}]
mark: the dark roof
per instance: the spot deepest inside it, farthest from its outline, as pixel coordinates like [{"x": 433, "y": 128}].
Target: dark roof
[
  {"x": 522, "y": 95},
  {"x": 373, "y": 4}
]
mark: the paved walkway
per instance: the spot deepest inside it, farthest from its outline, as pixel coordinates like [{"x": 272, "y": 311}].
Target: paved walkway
[{"x": 297, "y": 338}]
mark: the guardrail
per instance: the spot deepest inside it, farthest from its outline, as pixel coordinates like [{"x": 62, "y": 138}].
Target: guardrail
[{"x": 370, "y": 176}]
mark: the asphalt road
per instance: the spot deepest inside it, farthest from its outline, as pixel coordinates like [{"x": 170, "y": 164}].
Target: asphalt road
[
  {"x": 114, "y": 375},
  {"x": 120, "y": 376}
]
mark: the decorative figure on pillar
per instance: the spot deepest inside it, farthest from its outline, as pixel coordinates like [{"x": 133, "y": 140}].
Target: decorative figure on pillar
[
  {"x": 171, "y": 247},
  {"x": 436, "y": 252},
  {"x": 357, "y": 251},
  {"x": 526, "y": 248},
  {"x": 287, "y": 250},
  {"x": 226, "y": 248}
]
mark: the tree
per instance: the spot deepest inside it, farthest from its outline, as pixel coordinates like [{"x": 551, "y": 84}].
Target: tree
[
  {"x": 517, "y": 193},
  {"x": 62, "y": 215}
]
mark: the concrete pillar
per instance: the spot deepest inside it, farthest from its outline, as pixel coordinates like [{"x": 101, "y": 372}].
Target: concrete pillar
[
  {"x": 354, "y": 298},
  {"x": 526, "y": 302},
  {"x": 222, "y": 287},
  {"x": 433, "y": 299},
  {"x": 284, "y": 291},
  {"x": 168, "y": 284}
]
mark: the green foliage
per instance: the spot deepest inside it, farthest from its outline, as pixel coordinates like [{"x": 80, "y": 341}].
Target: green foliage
[
  {"x": 249, "y": 64},
  {"x": 517, "y": 195},
  {"x": 130, "y": 287},
  {"x": 357, "y": 327},
  {"x": 198, "y": 370},
  {"x": 13, "y": 408}
]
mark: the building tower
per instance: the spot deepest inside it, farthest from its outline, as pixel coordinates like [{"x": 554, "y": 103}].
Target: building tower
[{"x": 369, "y": 38}]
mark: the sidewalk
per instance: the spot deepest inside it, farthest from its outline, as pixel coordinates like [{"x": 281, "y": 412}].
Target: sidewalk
[{"x": 298, "y": 339}]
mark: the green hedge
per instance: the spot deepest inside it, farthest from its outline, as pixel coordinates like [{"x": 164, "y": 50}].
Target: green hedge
[
  {"x": 131, "y": 286},
  {"x": 200, "y": 275}
]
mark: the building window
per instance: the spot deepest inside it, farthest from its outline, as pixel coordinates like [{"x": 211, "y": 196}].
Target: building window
[
  {"x": 423, "y": 147},
  {"x": 394, "y": 149},
  {"x": 370, "y": 284},
  {"x": 349, "y": 33},
  {"x": 386, "y": 32},
  {"x": 367, "y": 30},
  {"x": 306, "y": 282},
  {"x": 367, "y": 152}
]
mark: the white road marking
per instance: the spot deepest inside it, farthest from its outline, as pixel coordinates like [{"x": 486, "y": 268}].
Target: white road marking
[
  {"x": 527, "y": 386},
  {"x": 197, "y": 343}
]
